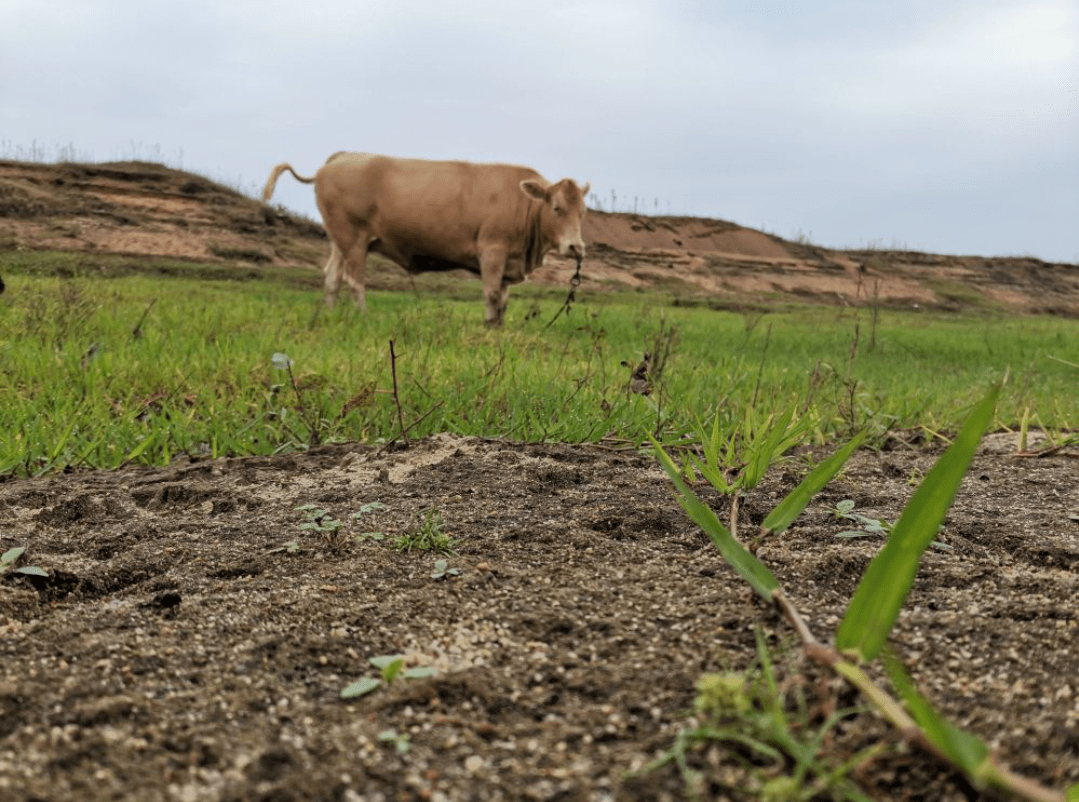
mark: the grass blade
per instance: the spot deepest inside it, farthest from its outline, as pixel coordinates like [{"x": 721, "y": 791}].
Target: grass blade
[
  {"x": 888, "y": 579},
  {"x": 748, "y": 567},
  {"x": 764, "y": 449},
  {"x": 138, "y": 450},
  {"x": 791, "y": 507}
]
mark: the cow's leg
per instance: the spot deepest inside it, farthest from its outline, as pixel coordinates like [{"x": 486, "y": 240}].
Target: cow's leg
[
  {"x": 503, "y": 301},
  {"x": 332, "y": 274},
  {"x": 492, "y": 268},
  {"x": 355, "y": 265}
]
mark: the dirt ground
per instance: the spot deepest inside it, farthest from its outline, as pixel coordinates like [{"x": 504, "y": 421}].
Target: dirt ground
[{"x": 179, "y": 651}]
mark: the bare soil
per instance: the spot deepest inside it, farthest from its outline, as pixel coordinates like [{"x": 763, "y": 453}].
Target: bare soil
[
  {"x": 138, "y": 208},
  {"x": 176, "y": 651}
]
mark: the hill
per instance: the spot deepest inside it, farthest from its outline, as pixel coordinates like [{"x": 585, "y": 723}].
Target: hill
[{"x": 150, "y": 209}]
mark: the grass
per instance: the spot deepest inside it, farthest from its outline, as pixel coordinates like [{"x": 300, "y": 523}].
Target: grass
[
  {"x": 104, "y": 367},
  {"x": 426, "y": 535}
]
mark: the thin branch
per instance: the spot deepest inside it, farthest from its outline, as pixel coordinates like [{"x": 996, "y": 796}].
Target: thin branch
[{"x": 396, "y": 398}]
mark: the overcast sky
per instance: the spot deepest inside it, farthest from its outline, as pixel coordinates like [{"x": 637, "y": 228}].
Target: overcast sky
[{"x": 940, "y": 125}]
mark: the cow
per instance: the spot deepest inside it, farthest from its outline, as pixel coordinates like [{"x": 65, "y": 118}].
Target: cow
[{"x": 497, "y": 220}]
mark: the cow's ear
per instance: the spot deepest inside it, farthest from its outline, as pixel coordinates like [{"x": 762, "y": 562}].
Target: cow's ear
[
  {"x": 585, "y": 188},
  {"x": 535, "y": 190}
]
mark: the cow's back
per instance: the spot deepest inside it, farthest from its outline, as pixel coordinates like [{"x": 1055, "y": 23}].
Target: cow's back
[{"x": 417, "y": 198}]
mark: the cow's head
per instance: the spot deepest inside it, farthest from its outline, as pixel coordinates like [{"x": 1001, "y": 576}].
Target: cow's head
[{"x": 561, "y": 214}]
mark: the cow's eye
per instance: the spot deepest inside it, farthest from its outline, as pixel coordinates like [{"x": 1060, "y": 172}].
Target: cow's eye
[{"x": 557, "y": 209}]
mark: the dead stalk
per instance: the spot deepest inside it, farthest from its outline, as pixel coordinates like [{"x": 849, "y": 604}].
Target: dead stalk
[
  {"x": 396, "y": 398},
  {"x": 734, "y": 514},
  {"x": 137, "y": 331},
  {"x": 422, "y": 417}
]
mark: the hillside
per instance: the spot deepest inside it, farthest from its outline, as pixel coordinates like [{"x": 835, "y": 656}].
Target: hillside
[{"x": 149, "y": 209}]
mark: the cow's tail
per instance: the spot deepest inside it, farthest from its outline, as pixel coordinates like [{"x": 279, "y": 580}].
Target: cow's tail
[{"x": 271, "y": 182}]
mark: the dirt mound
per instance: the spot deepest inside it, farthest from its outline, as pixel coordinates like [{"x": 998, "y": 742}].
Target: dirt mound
[
  {"x": 145, "y": 208},
  {"x": 691, "y": 235}
]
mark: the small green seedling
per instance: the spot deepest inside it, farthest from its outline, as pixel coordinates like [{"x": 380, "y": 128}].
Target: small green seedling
[
  {"x": 427, "y": 535},
  {"x": 328, "y": 528},
  {"x": 9, "y": 559},
  {"x": 390, "y": 666},
  {"x": 366, "y": 508},
  {"x": 443, "y": 572},
  {"x": 844, "y": 510},
  {"x": 318, "y": 519},
  {"x": 400, "y": 741}
]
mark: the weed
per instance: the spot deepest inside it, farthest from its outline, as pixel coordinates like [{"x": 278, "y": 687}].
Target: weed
[
  {"x": 390, "y": 667},
  {"x": 426, "y": 535},
  {"x": 738, "y": 453},
  {"x": 10, "y": 559},
  {"x": 311, "y": 417},
  {"x": 767, "y": 737}
]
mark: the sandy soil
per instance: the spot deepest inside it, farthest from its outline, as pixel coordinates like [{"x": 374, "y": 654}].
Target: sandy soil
[{"x": 177, "y": 652}]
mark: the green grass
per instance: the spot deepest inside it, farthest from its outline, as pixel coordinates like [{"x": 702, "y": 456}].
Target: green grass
[{"x": 78, "y": 387}]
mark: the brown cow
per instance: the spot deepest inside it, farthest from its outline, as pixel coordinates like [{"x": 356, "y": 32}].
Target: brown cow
[{"x": 497, "y": 220}]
